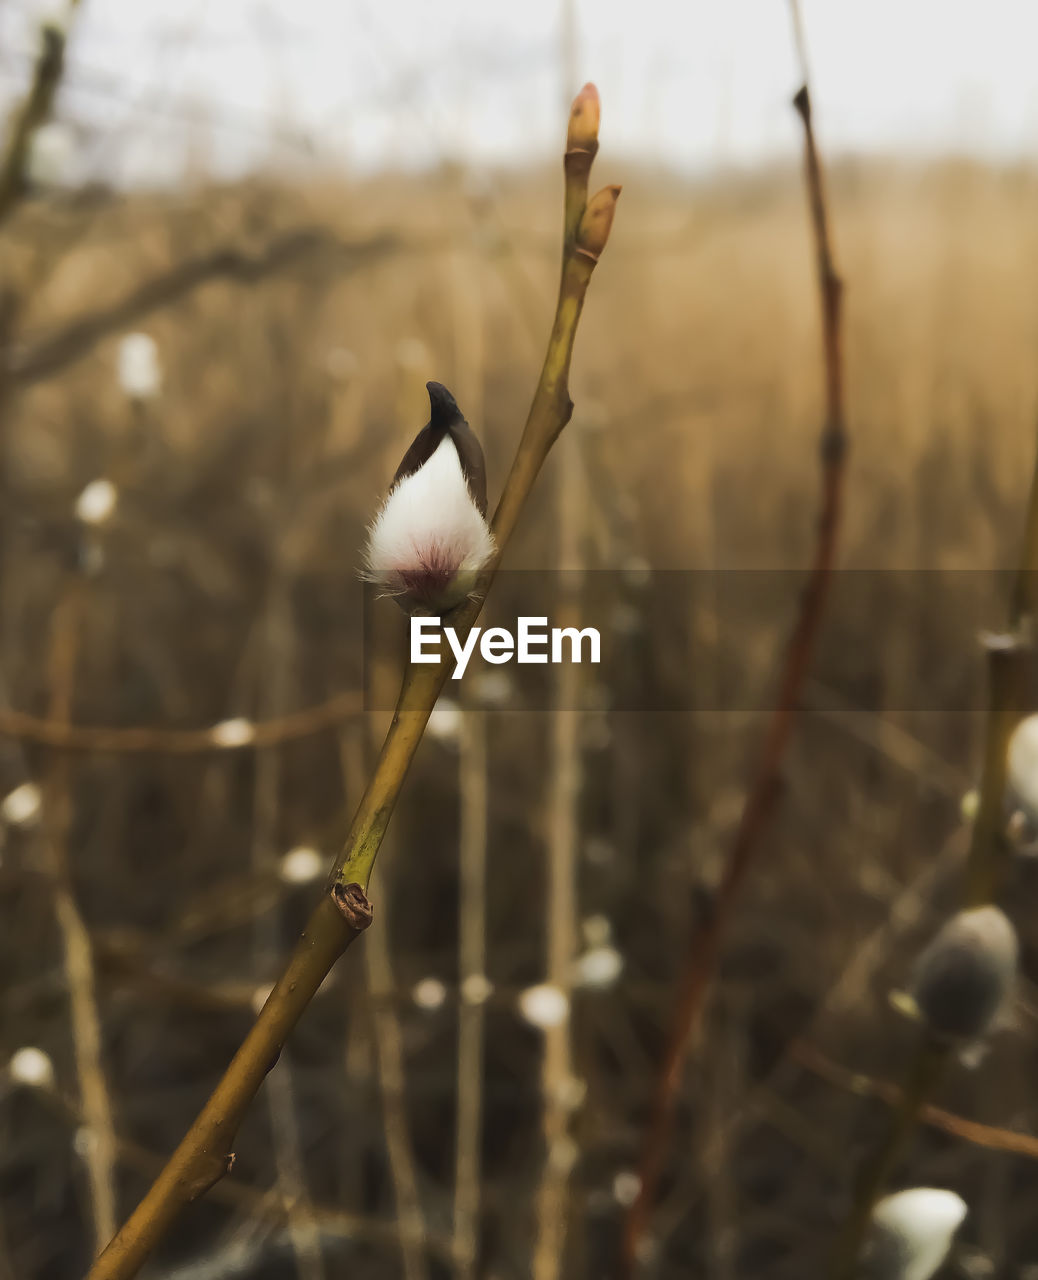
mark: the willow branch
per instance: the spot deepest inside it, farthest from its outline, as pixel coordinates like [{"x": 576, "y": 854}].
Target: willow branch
[
  {"x": 701, "y": 960},
  {"x": 973, "y": 1131},
  {"x": 34, "y": 111},
  {"x": 343, "y": 912},
  {"x": 1010, "y": 662},
  {"x": 78, "y": 951}
]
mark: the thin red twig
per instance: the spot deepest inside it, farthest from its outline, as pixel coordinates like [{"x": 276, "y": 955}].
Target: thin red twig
[{"x": 701, "y": 960}]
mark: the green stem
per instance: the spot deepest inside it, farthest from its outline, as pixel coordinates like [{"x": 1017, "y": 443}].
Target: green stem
[{"x": 342, "y": 914}]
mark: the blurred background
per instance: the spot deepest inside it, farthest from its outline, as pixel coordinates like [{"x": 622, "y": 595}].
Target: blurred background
[{"x": 237, "y": 243}]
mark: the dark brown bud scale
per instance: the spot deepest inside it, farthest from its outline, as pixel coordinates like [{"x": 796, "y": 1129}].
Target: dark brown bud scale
[
  {"x": 445, "y": 418},
  {"x": 963, "y": 978}
]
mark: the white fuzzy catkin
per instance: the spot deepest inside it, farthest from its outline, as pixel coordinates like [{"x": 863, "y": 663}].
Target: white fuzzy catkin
[
  {"x": 544, "y": 1005},
  {"x": 22, "y": 805},
  {"x": 911, "y": 1233},
  {"x": 1023, "y": 768},
  {"x": 31, "y": 1067},
  {"x": 476, "y": 989},
  {"x": 237, "y": 732},
  {"x": 139, "y": 371},
  {"x": 301, "y": 865},
  {"x": 97, "y": 502},
  {"x": 429, "y": 520},
  {"x": 599, "y": 967},
  {"x": 429, "y": 994}
]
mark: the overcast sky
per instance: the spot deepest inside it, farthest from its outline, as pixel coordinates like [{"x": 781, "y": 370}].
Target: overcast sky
[{"x": 239, "y": 83}]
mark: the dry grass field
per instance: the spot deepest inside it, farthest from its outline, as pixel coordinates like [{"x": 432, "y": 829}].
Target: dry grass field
[{"x": 224, "y": 585}]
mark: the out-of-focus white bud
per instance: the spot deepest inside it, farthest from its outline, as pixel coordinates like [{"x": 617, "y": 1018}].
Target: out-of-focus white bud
[
  {"x": 429, "y": 993},
  {"x": 97, "y": 502},
  {"x": 139, "y": 370},
  {"x": 964, "y": 977},
  {"x": 31, "y": 1067},
  {"x": 544, "y": 1005},
  {"x": 563, "y": 1154},
  {"x": 21, "y": 806},
  {"x": 626, "y": 1186},
  {"x": 51, "y": 149},
  {"x": 598, "y": 968},
  {"x": 445, "y": 721},
  {"x": 301, "y": 865},
  {"x": 1021, "y": 799},
  {"x": 910, "y": 1234},
  {"x": 476, "y": 989},
  {"x": 237, "y": 732},
  {"x": 430, "y": 538}
]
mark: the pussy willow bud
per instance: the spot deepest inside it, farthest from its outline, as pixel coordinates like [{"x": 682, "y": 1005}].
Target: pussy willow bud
[
  {"x": 584, "y": 119},
  {"x": 964, "y": 977},
  {"x": 910, "y": 1234},
  {"x": 431, "y": 538},
  {"x": 1022, "y": 788},
  {"x": 595, "y": 225}
]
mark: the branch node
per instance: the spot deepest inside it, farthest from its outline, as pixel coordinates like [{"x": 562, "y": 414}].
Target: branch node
[{"x": 353, "y": 905}]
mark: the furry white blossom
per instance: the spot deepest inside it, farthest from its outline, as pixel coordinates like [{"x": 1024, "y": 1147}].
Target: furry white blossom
[
  {"x": 429, "y": 534},
  {"x": 51, "y": 150},
  {"x": 626, "y": 1185},
  {"x": 237, "y": 732},
  {"x": 1023, "y": 769},
  {"x": 139, "y": 371},
  {"x": 429, "y": 993},
  {"x": 97, "y": 502},
  {"x": 911, "y": 1234},
  {"x": 544, "y": 1005},
  {"x": 476, "y": 989},
  {"x": 301, "y": 865},
  {"x": 430, "y": 538},
  {"x": 22, "y": 805},
  {"x": 599, "y": 967},
  {"x": 32, "y": 1067}
]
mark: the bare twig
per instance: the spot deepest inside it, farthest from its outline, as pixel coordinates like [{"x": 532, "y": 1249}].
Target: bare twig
[
  {"x": 561, "y": 847},
  {"x": 99, "y": 1149},
  {"x": 34, "y": 111},
  {"x": 701, "y": 959},
  {"x": 344, "y": 911},
  {"x": 275, "y": 648},
  {"x": 981, "y": 1135},
  {"x": 466, "y": 293}
]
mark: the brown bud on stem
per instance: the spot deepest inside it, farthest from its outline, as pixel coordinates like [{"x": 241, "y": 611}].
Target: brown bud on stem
[
  {"x": 584, "y": 119},
  {"x": 593, "y": 232},
  {"x": 963, "y": 978}
]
